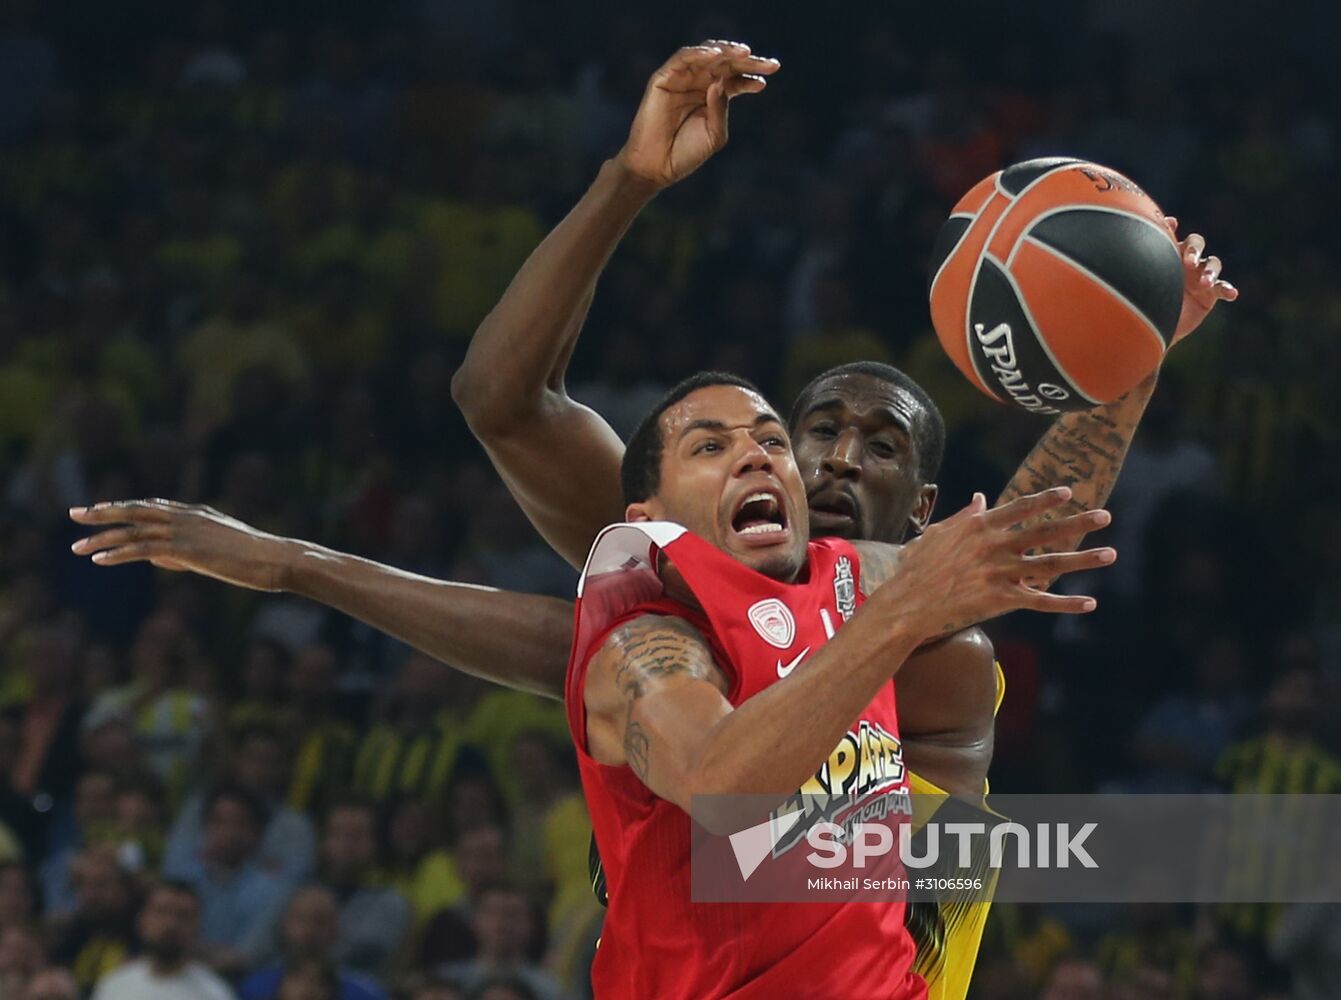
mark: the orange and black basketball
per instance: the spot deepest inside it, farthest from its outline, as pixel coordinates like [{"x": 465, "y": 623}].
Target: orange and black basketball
[{"x": 1055, "y": 285}]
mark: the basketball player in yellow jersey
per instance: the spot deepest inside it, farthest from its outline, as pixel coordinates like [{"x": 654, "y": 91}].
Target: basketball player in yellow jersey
[{"x": 867, "y": 439}]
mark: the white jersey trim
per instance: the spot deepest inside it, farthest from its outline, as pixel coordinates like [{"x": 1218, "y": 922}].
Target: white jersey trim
[{"x": 627, "y": 546}]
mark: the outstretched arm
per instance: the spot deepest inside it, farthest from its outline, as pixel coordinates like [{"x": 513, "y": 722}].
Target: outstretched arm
[
  {"x": 517, "y": 640},
  {"x": 559, "y": 458},
  {"x": 1085, "y": 450}
]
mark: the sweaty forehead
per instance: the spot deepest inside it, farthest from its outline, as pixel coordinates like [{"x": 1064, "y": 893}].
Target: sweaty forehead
[
  {"x": 863, "y": 395},
  {"x": 729, "y": 405}
]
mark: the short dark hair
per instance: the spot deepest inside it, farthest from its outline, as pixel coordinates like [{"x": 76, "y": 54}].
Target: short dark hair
[
  {"x": 930, "y": 430},
  {"x": 640, "y": 472}
]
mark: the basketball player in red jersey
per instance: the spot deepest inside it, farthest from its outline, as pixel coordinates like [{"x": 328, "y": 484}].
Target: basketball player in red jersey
[
  {"x": 867, "y": 438},
  {"x": 672, "y": 696},
  {"x": 669, "y": 688}
]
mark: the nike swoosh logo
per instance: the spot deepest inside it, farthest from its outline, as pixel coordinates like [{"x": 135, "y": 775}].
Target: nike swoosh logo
[{"x": 784, "y": 671}]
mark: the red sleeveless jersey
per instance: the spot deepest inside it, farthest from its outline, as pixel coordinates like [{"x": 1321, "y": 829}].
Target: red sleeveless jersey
[{"x": 656, "y": 943}]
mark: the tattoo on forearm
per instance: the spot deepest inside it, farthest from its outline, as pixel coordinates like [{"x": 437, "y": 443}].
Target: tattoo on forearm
[
  {"x": 1080, "y": 449},
  {"x": 654, "y": 647},
  {"x": 636, "y": 748},
  {"x": 1084, "y": 451}
]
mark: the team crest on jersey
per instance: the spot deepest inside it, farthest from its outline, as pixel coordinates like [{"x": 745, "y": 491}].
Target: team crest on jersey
[
  {"x": 773, "y": 621},
  {"x": 844, "y": 588}
]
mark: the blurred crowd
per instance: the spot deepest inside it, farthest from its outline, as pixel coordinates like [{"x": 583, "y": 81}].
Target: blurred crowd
[{"x": 241, "y": 253}]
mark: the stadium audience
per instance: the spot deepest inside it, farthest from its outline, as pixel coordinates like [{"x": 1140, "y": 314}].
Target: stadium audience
[
  {"x": 168, "y": 924},
  {"x": 240, "y": 902},
  {"x": 374, "y": 918},
  {"x": 257, "y": 762},
  {"x": 242, "y": 249},
  {"x": 309, "y": 935},
  {"x": 99, "y": 934}
]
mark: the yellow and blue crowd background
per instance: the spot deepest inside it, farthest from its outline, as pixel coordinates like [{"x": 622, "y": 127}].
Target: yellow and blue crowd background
[{"x": 242, "y": 249}]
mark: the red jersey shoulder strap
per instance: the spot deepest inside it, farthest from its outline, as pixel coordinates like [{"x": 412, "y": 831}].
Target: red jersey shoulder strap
[{"x": 619, "y": 583}]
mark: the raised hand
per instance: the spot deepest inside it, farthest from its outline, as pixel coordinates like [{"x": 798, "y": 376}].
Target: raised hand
[
  {"x": 1202, "y": 286},
  {"x": 179, "y": 536},
  {"x": 682, "y": 119},
  {"x": 978, "y": 564}
]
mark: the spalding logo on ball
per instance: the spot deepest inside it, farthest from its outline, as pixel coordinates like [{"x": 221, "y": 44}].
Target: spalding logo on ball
[{"x": 1055, "y": 285}]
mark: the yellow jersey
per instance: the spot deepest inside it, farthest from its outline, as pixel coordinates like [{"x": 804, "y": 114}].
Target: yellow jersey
[{"x": 948, "y": 933}]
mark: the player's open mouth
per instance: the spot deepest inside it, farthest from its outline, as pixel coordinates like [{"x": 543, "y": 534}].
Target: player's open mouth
[
  {"x": 761, "y": 517},
  {"x": 832, "y": 510}
]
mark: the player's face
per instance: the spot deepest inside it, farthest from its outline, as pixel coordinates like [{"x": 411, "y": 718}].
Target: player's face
[
  {"x": 728, "y": 475},
  {"x": 857, "y": 453}
]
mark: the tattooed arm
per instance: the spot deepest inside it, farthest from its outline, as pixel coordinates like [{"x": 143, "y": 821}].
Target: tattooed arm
[
  {"x": 656, "y": 701},
  {"x": 1086, "y": 450}
]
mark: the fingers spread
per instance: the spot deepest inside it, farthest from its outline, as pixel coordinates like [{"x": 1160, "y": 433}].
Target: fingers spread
[
  {"x": 1044, "y": 532},
  {"x": 1023, "y": 508},
  {"x": 1062, "y": 604},
  {"x": 1053, "y": 564},
  {"x": 1194, "y": 247},
  {"x": 1211, "y": 268}
]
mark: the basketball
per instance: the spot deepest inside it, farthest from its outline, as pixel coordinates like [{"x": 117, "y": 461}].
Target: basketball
[{"x": 1055, "y": 285}]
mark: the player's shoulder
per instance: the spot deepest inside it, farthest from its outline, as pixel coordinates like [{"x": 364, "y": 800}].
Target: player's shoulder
[
  {"x": 968, "y": 647},
  {"x": 951, "y": 687},
  {"x": 651, "y": 647},
  {"x": 642, "y": 628},
  {"x": 962, "y": 665},
  {"x": 653, "y": 636}
]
